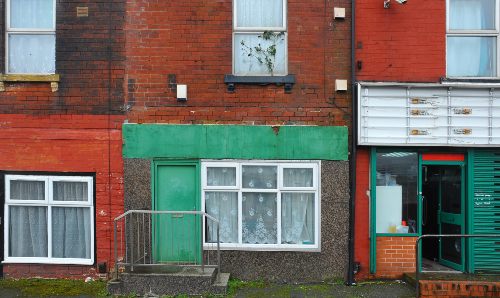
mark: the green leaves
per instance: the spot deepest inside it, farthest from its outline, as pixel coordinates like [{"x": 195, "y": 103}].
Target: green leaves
[{"x": 265, "y": 55}]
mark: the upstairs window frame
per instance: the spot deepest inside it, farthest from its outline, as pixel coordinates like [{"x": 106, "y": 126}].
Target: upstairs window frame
[
  {"x": 242, "y": 30},
  {"x": 494, "y": 33},
  {"x": 14, "y": 31}
]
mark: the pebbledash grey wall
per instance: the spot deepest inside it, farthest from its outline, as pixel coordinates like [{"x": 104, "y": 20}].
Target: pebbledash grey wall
[{"x": 276, "y": 266}]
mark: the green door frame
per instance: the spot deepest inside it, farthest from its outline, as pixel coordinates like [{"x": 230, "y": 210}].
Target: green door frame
[
  {"x": 461, "y": 164},
  {"x": 154, "y": 190}
]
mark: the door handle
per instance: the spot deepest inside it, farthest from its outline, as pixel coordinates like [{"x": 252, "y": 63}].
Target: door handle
[{"x": 177, "y": 215}]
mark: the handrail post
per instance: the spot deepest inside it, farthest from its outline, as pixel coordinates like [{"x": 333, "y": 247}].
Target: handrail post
[
  {"x": 417, "y": 266},
  {"x": 201, "y": 244}
]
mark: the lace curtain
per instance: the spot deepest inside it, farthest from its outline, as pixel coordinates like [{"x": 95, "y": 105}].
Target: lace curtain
[
  {"x": 471, "y": 55},
  {"x": 259, "y": 218},
  {"x": 224, "y": 207},
  {"x": 259, "y": 13},
  {"x": 71, "y": 234}
]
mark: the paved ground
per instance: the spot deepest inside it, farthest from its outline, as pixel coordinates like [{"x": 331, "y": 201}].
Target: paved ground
[{"x": 373, "y": 290}]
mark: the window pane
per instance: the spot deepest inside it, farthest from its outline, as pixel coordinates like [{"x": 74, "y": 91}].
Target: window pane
[
  {"x": 471, "y": 57},
  {"x": 27, "y": 231},
  {"x": 259, "y": 177},
  {"x": 221, "y": 176},
  {"x": 70, "y": 191},
  {"x": 250, "y": 65},
  {"x": 259, "y": 218},
  {"x": 396, "y": 192},
  {"x": 298, "y": 177},
  {"x": 32, "y": 54},
  {"x": 27, "y": 190},
  {"x": 472, "y": 14},
  {"x": 297, "y": 218},
  {"x": 259, "y": 13},
  {"x": 71, "y": 232},
  {"x": 224, "y": 207},
  {"x": 31, "y": 14}
]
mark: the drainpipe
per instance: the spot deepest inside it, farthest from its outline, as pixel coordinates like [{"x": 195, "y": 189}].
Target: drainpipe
[{"x": 352, "y": 161}]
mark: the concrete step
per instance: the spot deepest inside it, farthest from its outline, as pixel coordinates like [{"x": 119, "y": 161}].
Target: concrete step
[{"x": 187, "y": 280}]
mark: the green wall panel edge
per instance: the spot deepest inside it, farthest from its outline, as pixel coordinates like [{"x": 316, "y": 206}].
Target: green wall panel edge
[{"x": 235, "y": 141}]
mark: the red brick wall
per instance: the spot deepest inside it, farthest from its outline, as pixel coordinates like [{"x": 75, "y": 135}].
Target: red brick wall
[
  {"x": 395, "y": 256},
  {"x": 402, "y": 43},
  {"x": 68, "y": 143},
  {"x": 193, "y": 40},
  {"x": 459, "y": 288},
  {"x": 362, "y": 220}
]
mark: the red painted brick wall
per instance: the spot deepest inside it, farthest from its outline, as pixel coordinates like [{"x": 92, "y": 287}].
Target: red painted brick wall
[
  {"x": 362, "y": 219},
  {"x": 193, "y": 40},
  {"x": 402, "y": 43},
  {"x": 395, "y": 256},
  {"x": 68, "y": 143}
]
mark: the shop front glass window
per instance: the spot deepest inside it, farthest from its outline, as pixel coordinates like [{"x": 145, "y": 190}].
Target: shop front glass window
[{"x": 396, "y": 192}]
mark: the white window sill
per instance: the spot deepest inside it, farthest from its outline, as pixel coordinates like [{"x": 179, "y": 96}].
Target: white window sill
[
  {"x": 53, "y": 79},
  {"x": 54, "y": 261},
  {"x": 268, "y": 247}
]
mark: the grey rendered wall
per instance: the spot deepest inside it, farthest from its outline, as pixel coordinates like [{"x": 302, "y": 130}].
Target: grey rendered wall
[{"x": 330, "y": 263}]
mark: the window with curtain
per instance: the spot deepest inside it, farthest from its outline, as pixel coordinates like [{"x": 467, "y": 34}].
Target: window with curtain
[
  {"x": 259, "y": 39},
  {"x": 472, "y": 39},
  {"x": 262, "y": 205},
  {"x": 31, "y": 39},
  {"x": 49, "y": 219}
]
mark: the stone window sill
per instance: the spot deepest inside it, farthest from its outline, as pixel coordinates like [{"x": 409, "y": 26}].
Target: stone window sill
[
  {"x": 53, "y": 79},
  {"x": 287, "y": 81}
]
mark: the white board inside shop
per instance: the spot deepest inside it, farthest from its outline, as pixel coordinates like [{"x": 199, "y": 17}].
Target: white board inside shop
[{"x": 426, "y": 114}]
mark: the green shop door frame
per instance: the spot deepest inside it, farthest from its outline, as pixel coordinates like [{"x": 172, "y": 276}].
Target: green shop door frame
[
  {"x": 450, "y": 218},
  {"x": 466, "y": 166},
  {"x": 176, "y": 187}
]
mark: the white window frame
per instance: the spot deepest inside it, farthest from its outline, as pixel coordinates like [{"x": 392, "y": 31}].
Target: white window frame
[
  {"x": 31, "y": 31},
  {"x": 316, "y": 189},
  {"x": 49, "y": 203},
  {"x": 474, "y": 33},
  {"x": 259, "y": 30}
]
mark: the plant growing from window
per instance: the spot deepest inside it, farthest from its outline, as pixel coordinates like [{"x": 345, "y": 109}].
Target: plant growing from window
[{"x": 265, "y": 55}]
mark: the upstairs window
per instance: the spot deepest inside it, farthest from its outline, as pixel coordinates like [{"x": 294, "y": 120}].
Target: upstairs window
[
  {"x": 30, "y": 37},
  {"x": 472, "y": 39},
  {"x": 260, "y": 37}
]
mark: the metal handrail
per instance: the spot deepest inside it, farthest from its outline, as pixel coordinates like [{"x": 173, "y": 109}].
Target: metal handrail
[
  {"x": 151, "y": 212},
  {"x": 417, "y": 250}
]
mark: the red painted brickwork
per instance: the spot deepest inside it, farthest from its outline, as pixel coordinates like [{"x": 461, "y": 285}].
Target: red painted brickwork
[
  {"x": 402, "y": 43},
  {"x": 68, "y": 143},
  {"x": 193, "y": 41},
  {"x": 442, "y": 288},
  {"x": 395, "y": 256},
  {"x": 362, "y": 220},
  {"x": 89, "y": 58}
]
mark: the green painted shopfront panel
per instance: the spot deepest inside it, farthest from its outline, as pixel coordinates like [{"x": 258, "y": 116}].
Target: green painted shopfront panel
[
  {"x": 235, "y": 142},
  {"x": 177, "y": 236},
  {"x": 486, "y": 211}
]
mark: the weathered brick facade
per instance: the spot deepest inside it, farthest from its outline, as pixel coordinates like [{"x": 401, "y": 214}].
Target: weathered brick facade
[
  {"x": 77, "y": 129},
  {"x": 192, "y": 41}
]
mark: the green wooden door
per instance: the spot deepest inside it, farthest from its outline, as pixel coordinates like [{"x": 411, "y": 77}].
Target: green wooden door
[
  {"x": 177, "y": 236},
  {"x": 451, "y": 217}
]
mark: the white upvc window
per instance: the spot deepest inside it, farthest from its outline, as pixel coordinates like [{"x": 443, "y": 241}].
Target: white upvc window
[
  {"x": 262, "y": 205},
  {"x": 49, "y": 219},
  {"x": 30, "y": 36},
  {"x": 472, "y": 48},
  {"x": 260, "y": 37}
]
